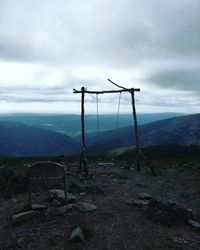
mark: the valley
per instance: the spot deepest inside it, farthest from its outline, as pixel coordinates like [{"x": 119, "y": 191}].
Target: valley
[{"x": 18, "y": 139}]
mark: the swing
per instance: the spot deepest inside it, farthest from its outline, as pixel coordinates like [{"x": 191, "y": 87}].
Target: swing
[
  {"x": 117, "y": 116},
  {"x": 83, "y": 91},
  {"x": 98, "y": 128}
]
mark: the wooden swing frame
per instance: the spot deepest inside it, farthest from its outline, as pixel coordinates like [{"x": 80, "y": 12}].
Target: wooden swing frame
[{"x": 83, "y": 91}]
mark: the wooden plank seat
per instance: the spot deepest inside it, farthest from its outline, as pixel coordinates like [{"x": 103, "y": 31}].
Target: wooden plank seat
[{"x": 46, "y": 174}]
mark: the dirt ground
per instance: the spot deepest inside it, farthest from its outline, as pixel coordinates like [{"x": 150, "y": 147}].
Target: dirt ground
[{"x": 117, "y": 223}]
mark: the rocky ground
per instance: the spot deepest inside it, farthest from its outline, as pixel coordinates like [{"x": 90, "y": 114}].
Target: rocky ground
[{"x": 117, "y": 209}]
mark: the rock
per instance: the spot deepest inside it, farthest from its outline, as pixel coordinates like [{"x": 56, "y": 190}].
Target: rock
[
  {"x": 56, "y": 203},
  {"x": 140, "y": 203},
  {"x": 60, "y": 210},
  {"x": 85, "y": 207},
  {"x": 77, "y": 234},
  {"x": 59, "y": 195},
  {"x": 195, "y": 214},
  {"x": 71, "y": 197},
  {"x": 145, "y": 196},
  {"x": 179, "y": 240},
  {"x": 194, "y": 224},
  {"x": 82, "y": 194},
  {"x": 20, "y": 218},
  {"x": 39, "y": 207},
  {"x": 167, "y": 213}
]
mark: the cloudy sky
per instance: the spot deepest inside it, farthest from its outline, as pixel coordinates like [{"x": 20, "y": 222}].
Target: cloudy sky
[{"x": 49, "y": 47}]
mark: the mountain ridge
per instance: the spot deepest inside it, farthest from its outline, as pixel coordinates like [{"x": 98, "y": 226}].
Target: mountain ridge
[
  {"x": 183, "y": 130},
  {"x": 17, "y": 139},
  {"x": 70, "y": 124}
]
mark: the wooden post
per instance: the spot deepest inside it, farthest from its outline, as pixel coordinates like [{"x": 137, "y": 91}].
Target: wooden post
[
  {"x": 83, "y": 158},
  {"x": 136, "y": 131}
]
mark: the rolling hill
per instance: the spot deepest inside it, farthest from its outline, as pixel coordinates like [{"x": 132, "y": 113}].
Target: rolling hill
[
  {"x": 21, "y": 140},
  {"x": 183, "y": 130},
  {"x": 17, "y": 139},
  {"x": 69, "y": 124}
]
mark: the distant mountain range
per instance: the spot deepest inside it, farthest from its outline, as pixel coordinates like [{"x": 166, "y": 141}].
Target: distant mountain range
[
  {"x": 183, "y": 130},
  {"x": 17, "y": 139},
  {"x": 70, "y": 124},
  {"x": 21, "y": 140}
]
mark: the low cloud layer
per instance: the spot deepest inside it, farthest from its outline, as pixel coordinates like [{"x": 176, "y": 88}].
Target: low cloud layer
[{"x": 47, "y": 48}]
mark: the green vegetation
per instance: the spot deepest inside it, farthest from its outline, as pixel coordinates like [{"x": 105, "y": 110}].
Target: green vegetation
[
  {"x": 160, "y": 156},
  {"x": 20, "y": 164}
]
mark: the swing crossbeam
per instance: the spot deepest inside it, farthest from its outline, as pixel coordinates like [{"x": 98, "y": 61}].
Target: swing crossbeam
[{"x": 105, "y": 92}]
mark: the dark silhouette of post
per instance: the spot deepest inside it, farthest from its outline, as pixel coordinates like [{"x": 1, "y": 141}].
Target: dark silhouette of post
[
  {"x": 83, "y": 158},
  {"x": 136, "y": 131}
]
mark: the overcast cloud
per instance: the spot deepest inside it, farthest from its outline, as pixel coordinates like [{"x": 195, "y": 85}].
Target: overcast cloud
[{"x": 49, "y": 47}]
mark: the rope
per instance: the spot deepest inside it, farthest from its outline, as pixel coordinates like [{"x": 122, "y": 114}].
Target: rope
[{"x": 117, "y": 118}]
